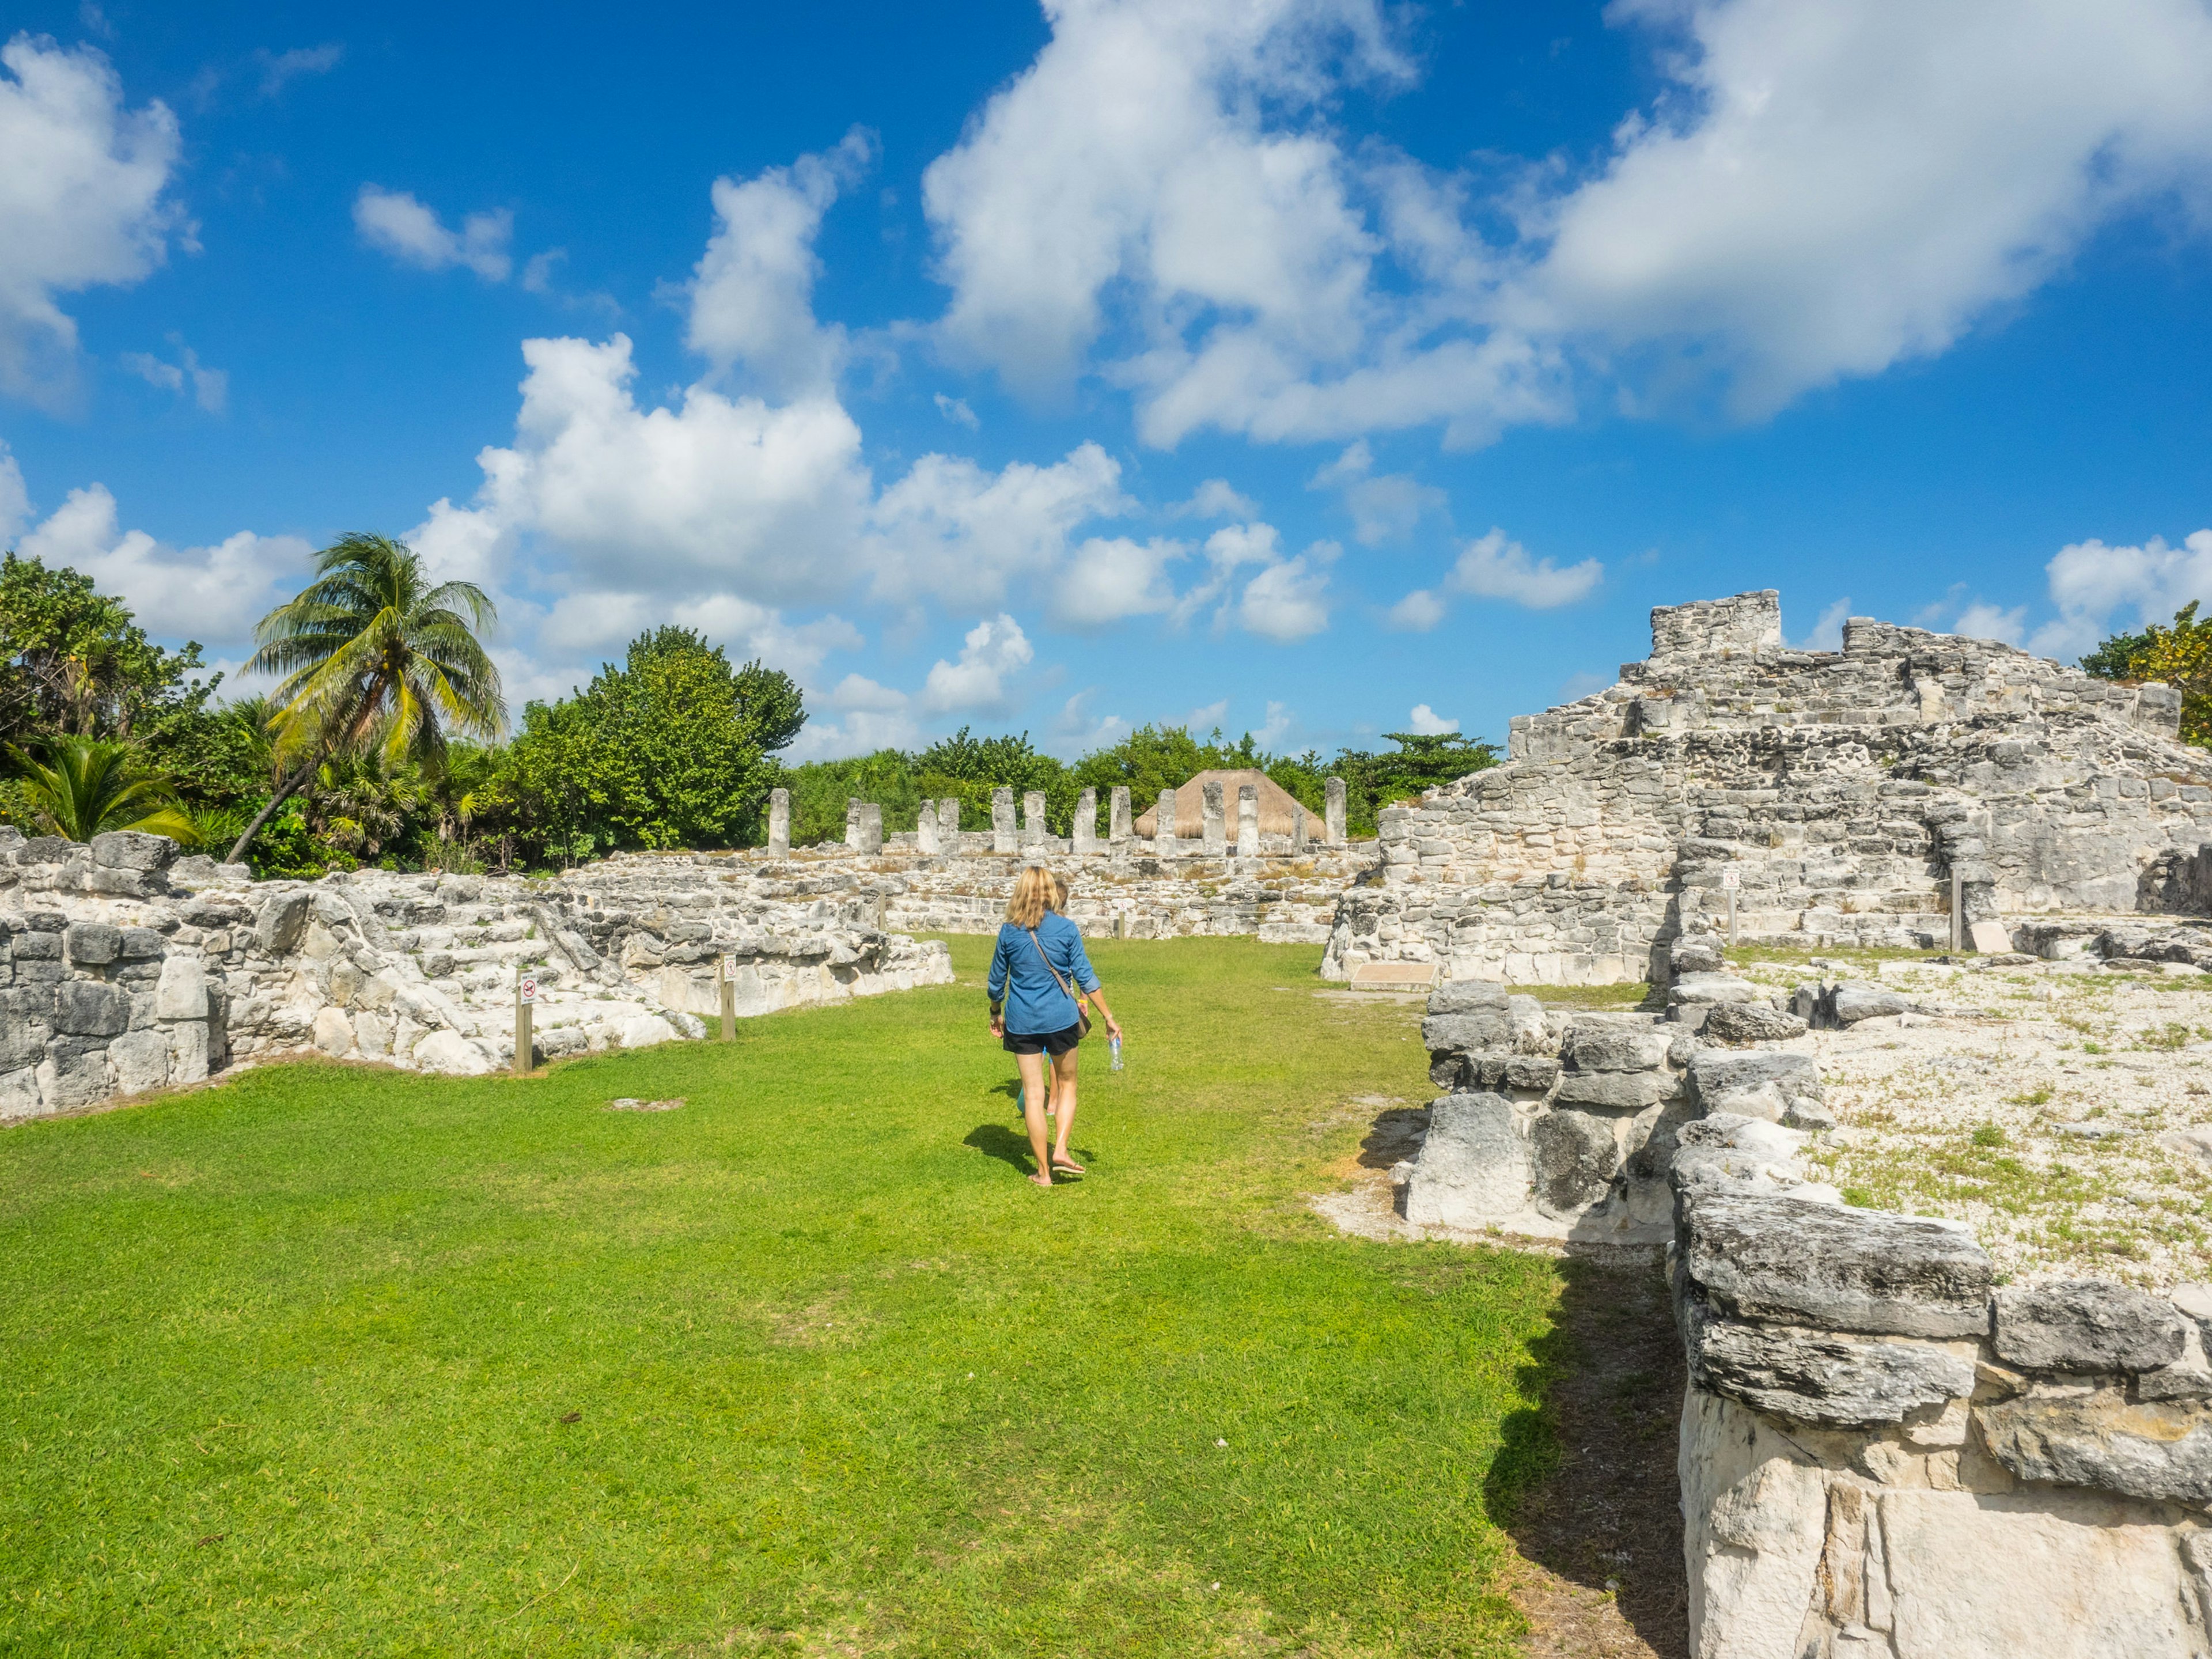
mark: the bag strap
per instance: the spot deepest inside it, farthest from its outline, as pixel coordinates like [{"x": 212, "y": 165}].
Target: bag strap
[{"x": 1054, "y": 971}]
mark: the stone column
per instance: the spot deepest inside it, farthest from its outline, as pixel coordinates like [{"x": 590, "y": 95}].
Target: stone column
[
  {"x": 871, "y": 828},
  {"x": 1336, "y": 812},
  {"x": 1086, "y": 823},
  {"x": 1003, "y": 839},
  {"x": 853, "y": 821},
  {"x": 778, "y": 823},
  {"x": 1214, "y": 824},
  {"x": 1248, "y": 821},
  {"x": 1117, "y": 815},
  {"x": 925, "y": 831},
  {"x": 948, "y": 823},
  {"x": 1163, "y": 828},
  {"x": 1033, "y": 821},
  {"x": 1298, "y": 831}
]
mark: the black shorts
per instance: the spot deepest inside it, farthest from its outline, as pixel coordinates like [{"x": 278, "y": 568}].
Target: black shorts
[{"x": 1054, "y": 1043}]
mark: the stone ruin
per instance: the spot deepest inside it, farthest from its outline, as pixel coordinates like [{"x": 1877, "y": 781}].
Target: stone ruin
[
  {"x": 1165, "y": 874},
  {"x": 1853, "y": 795},
  {"x": 125, "y": 967},
  {"x": 1883, "y": 1451}
]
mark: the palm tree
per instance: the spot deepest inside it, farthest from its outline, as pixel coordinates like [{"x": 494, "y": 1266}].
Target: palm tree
[
  {"x": 89, "y": 787},
  {"x": 371, "y": 652}
]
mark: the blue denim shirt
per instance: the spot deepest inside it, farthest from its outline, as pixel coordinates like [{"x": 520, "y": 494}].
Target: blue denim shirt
[{"x": 1036, "y": 1006}]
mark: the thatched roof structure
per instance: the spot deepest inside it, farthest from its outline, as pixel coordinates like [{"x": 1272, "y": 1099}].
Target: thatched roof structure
[{"x": 1277, "y": 806}]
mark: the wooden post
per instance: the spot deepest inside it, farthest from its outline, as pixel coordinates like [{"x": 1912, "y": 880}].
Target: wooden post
[
  {"x": 1731, "y": 899},
  {"x": 1958, "y": 911},
  {"x": 524, "y": 1038},
  {"x": 725, "y": 993}
]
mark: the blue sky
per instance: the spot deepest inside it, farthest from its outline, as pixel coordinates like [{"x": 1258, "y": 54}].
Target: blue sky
[{"x": 1317, "y": 367}]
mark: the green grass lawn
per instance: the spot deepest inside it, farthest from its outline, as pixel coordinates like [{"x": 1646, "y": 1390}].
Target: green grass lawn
[{"x": 333, "y": 1360}]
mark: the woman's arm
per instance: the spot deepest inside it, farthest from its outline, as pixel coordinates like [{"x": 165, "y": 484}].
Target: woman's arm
[
  {"x": 1084, "y": 978},
  {"x": 996, "y": 987}
]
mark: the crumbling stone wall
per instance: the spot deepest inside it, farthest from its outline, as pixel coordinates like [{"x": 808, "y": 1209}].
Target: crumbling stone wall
[
  {"x": 1119, "y": 889},
  {"x": 124, "y": 968},
  {"x": 1846, "y": 790},
  {"x": 1884, "y": 1454}
]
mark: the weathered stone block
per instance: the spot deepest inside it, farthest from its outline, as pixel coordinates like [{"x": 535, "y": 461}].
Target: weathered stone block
[
  {"x": 141, "y": 944},
  {"x": 2086, "y": 1325},
  {"x": 1618, "y": 1092},
  {"x": 2160, "y": 1450},
  {"x": 1717, "y": 1073},
  {"x": 129, "y": 849},
  {"x": 182, "y": 991},
  {"x": 188, "y": 1051},
  {"x": 141, "y": 1060},
  {"x": 1750, "y": 1021},
  {"x": 1854, "y": 1001},
  {"x": 1762, "y": 1256},
  {"x": 88, "y": 1008},
  {"x": 91, "y": 944},
  {"x": 1594, "y": 1047},
  {"x": 1467, "y": 996},
  {"x": 1464, "y": 1033},
  {"x": 281, "y": 923},
  {"x": 1575, "y": 1155},
  {"x": 1473, "y": 1166},
  {"x": 1817, "y": 1376},
  {"x": 73, "y": 1072}
]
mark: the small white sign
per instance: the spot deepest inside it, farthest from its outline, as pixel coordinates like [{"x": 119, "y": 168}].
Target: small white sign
[
  {"x": 1731, "y": 878},
  {"x": 526, "y": 988},
  {"x": 729, "y": 966}
]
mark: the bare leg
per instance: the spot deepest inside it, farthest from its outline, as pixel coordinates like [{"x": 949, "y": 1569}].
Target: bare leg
[
  {"x": 1063, "y": 1089},
  {"x": 1033, "y": 1087}
]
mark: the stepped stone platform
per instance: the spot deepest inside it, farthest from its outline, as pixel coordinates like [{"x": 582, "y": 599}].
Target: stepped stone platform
[{"x": 1849, "y": 793}]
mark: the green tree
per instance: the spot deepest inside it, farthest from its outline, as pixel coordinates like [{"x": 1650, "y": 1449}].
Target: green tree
[
  {"x": 371, "y": 652},
  {"x": 2180, "y": 656},
  {"x": 72, "y": 660},
  {"x": 970, "y": 768},
  {"x": 89, "y": 786},
  {"x": 1421, "y": 760},
  {"x": 673, "y": 749}
]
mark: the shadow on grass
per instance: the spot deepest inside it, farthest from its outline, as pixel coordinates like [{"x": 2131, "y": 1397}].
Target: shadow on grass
[
  {"x": 1585, "y": 1483},
  {"x": 997, "y": 1140}
]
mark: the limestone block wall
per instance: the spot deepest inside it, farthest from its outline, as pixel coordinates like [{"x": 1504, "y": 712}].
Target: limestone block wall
[
  {"x": 1122, "y": 889},
  {"x": 126, "y": 968},
  {"x": 1567, "y": 1125},
  {"x": 1846, "y": 790},
  {"x": 1884, "y": 1454}
]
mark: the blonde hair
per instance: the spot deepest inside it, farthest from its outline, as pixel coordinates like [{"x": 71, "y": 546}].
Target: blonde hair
[
  {"x": 1059, "y": 893},
  {"x": 1033, "y": 897}
]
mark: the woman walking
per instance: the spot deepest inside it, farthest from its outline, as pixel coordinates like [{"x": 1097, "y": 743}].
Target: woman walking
[{"x": 1036, "y": 972}]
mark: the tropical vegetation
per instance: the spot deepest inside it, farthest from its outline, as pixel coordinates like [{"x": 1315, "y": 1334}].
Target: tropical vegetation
[
  {"x": 2180, "y": 655},
  {"x": 381, "y": 736}
]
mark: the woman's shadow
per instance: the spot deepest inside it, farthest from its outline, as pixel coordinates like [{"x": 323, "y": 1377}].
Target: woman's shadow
[{"x": 1009, "y": 1145}]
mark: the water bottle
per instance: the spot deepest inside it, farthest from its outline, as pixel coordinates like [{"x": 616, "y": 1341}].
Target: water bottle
[{"x": 1115, "y": 1044}]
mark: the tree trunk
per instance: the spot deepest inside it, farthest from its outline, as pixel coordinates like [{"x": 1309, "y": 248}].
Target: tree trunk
[{"x": 284, "y": 793}]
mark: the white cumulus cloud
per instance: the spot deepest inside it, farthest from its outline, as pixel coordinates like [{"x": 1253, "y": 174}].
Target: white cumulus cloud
[
  {"x": 1426, "y": 722},
  {"x": 752, "y": 292},
  {"x": 994, "y": 650},
  {"x": 1165, "y": 197},
  {"x": 1493, "y": 567},
  {"x": 395, "y": 222},
  {"x": 82, "y": 203},
  {"x": 213, "y": 595}
]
